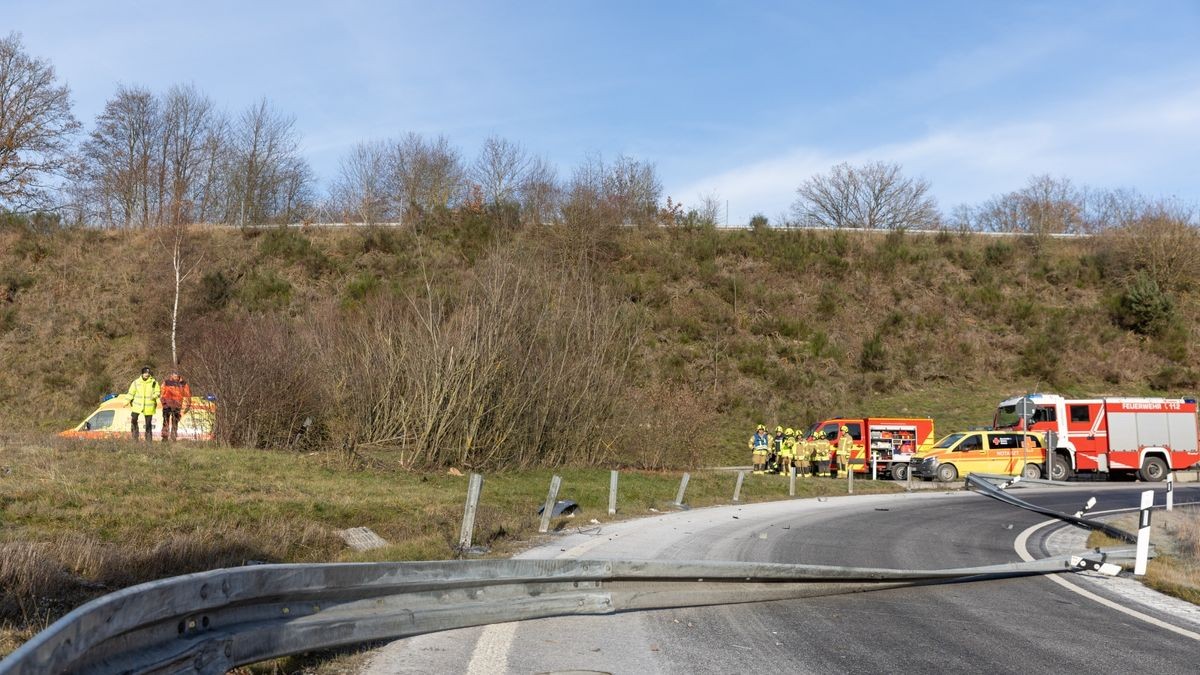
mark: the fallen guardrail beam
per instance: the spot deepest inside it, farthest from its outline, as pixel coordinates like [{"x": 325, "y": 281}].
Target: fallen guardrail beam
[
  {"x": 1018, "y": 481},
  {"x": 990, "y": 489},
  {"x": 213, "y": 621}
]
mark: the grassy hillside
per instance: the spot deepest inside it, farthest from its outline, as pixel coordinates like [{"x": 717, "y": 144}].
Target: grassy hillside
[{"x": 732, "y": 327}]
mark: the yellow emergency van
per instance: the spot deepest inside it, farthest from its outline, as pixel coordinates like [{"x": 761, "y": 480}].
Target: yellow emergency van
[
  {"x": 111, "y": 420},
  {"x": 1009, "y": 453}
]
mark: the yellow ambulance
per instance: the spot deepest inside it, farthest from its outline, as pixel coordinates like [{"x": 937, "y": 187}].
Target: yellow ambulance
[{"x": 1010, "y": 453}]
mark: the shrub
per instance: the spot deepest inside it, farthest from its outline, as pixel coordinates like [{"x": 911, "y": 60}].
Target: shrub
[
  {"x": 216, "y": 290},
  {"x": 265, "y": 291},
  {"x": 759, "y": 222},
  {"x": 874, "y": 357},
  {"x": 1143, "y": 307}
]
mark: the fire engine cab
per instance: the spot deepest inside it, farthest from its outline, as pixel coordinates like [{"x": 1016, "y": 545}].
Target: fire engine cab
[{"x": 1117, "y": 436}]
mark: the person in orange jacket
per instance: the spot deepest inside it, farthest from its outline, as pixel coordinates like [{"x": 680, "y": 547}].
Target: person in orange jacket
[{"x": 176, "y": 402}]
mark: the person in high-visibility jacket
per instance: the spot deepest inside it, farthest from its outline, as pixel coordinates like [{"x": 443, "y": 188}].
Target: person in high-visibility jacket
[
  {"x": 176, "y": 402},
  {"x": 804, "y": 450},
  {"x": 787, "y": 451},
  {"x": 143, "y": 400},
  {"x": 845, "y": 443},
  {"x": 821, "y": 451},
  {"x": 759, "y": 443}
]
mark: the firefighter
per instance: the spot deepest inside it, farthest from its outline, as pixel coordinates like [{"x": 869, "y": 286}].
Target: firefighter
[
  {"x": 787, "y": 451},
  {"x": 844, "y": 444},
  {"x": 804, "y": 449},
  {"x": 759, "y": 443},
  {"x": 143, "y": 400},
  {"x": 776, "y": 447},
  {"x": 176, "y": 402},
  {"x": 821, "y": 453}
]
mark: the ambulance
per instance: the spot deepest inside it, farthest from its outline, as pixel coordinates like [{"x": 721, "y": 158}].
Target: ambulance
[
  {"x": 1009, "y": 453},
  {"x": 111, "y": 421}
]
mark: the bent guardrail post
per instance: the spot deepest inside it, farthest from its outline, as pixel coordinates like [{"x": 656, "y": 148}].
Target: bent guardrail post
[
  {"x": 548, "y": 507},
  {"x": 612, "y": 493},
  {"x": 214, "y": 621},
  {"x": 737, "y": 487},
  {"x": 468, "y": 524},
  {"x": 682, "y": 488}
]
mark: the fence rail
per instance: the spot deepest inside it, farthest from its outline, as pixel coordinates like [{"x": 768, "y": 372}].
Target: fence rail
[{"x": 213, "y": 621}]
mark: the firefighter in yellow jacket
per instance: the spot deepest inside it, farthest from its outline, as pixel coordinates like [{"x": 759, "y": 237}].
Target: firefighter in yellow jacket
[
  {"x": 845, "y": 443},
  {"x": 787, "y": 453},
  {"x": 821, "y": 452},
  {"x": 759, "y": 443},
  {"x": 804, "y": 450},
  {"x": 143, "y": 396}
]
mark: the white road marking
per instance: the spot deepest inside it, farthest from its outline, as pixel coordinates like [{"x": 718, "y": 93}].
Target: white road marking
[
  {"x": 1023, "y": 551},
  {"x": 491, "y": 650}
]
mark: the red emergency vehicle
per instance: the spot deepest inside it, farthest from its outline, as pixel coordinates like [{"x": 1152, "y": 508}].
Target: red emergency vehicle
[
  {"x": 884, "y": 444},
  {"x": 1118, "y": 436}
]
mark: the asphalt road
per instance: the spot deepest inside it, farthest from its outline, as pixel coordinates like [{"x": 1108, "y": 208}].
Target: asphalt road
[{"x": 1011, "y": 625}]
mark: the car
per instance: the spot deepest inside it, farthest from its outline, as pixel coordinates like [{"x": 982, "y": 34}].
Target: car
[
  {"x": 1010, "y": 453},
  {"x": 111, "y": 420}
]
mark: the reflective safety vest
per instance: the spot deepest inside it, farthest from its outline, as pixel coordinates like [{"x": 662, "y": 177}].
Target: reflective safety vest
[
  {"x": 845, "y": 443},
  {"x": 143, "y": 395},
  {"x": 788, "y": 449},
  {"x": 176, "y": 394},
  {"x": 759, "y": 442}
]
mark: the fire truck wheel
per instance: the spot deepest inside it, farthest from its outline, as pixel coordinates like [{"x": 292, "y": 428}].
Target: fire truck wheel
[
  {"x": 946, "y": 473},
  {"x": 899, "y": 471},
  {"x": 1031, "y": 471},
  {"x": 1061, "y": 469},
  {"x": 1153, "y": 470}
]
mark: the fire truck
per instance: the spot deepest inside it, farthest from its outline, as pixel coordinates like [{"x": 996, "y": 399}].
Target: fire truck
[
  {"x": 883, "y": 446},
  {"x": 1121, "y": 437}
]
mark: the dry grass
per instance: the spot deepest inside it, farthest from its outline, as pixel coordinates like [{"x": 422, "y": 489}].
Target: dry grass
[
  {"x": 85, "y": 518},
  {"x": 1175, "y": 570}
]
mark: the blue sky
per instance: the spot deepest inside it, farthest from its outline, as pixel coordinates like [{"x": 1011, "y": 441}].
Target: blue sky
[{"x": 742, "y": 100}]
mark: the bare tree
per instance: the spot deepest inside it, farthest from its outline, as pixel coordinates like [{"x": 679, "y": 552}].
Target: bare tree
[
  {"x": 268, "y": 179},
  {"x": 426, "y": 175},
  {"x": 709, "y": 212},
  {"x": 120, "y": 157},
  {"x": 500, "y": 170},
  {"x": 1046, "y": 205},
  {"x": 633, "y": 189},
  {"x": 36, "y": 126},
  {"x": 361, "y": 190},
  {"x": 540, "y": 192},
  {"x": 184, "y": 261},
  {"x": 188, "y": 119},
  {"x": 872, "y": 196}
]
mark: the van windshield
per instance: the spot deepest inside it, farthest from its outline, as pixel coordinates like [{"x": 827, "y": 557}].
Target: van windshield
[{"x": 948, "y": 441}]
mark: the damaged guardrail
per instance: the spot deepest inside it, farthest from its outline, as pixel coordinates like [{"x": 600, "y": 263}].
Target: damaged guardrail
[
  {"x": 985, "y": 486},
  {"x": 213, "y": 621}
]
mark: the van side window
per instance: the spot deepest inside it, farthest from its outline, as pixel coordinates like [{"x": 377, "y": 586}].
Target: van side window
[
  {"x": 855, "y": 430},
  {"x": 101, "y": 420},
  {"x": 831, "y": 431},
  {"x": 1079, "y": 413}
]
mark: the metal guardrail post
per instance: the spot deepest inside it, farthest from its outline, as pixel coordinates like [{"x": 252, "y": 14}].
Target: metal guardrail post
[
  {"x": 612, "y": 494},
  {"x": 1170, "y": 491},
  {"x": 1143, "y": 534},
  {"x": 468, "y": 524},
  {"x": 682, "y": 488},
  {"x": 548, "y": 508},
  {"x": 737, "y": 487},
  {"x": 792, "y": 482}
]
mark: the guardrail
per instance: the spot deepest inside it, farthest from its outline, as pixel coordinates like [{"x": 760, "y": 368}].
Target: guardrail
[
  {"x": 989, "y": 488},
  {"x": 213, "y": 621}
]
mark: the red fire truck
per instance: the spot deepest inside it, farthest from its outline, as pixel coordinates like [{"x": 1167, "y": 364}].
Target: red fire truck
[
  {"x": 1118, "y": 436},
  {"x": 890, "y": 441}
]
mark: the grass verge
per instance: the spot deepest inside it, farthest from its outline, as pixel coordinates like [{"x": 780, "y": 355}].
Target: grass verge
[
  {"x": 1175, "y": 570},
  {"x": 81, "y": 519}
]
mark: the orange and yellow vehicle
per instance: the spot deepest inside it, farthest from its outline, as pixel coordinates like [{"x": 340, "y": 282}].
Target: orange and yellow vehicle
[{"x": 111, "y": 420}]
